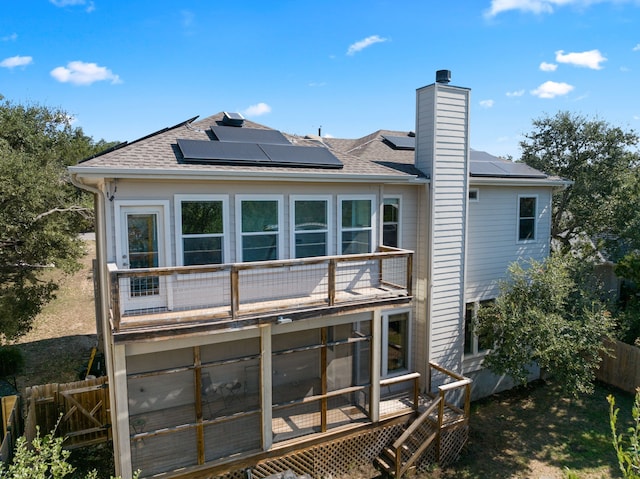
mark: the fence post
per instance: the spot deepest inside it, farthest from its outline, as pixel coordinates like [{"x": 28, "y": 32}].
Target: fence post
[{"x": 332, "y": 281}]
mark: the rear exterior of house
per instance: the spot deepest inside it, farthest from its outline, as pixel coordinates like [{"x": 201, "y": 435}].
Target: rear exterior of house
[{"x": 262, "y": 292}]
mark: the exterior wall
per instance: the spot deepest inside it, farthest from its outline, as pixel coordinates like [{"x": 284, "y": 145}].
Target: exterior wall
[
  {"x": 442, "y": 151},
  {"x": 492, "y": 243},
  {"x": 138, "y": 191}
]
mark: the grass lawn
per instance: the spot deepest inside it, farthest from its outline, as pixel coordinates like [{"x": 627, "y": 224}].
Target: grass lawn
[{"x": 534, "y": 432}]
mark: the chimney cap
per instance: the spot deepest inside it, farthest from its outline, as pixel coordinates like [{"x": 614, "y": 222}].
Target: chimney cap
[{"x": 443, "y": 76}]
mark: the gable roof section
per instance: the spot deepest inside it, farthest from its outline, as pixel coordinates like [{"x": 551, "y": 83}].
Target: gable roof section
[{"x": 160, "y": 154}]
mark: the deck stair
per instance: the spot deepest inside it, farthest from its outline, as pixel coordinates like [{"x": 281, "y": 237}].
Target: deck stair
[{"x": 435, "y": 435}]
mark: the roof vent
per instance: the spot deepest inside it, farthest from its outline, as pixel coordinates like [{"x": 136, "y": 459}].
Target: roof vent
[
  {"x": 443, "y": 76},
  {"x": 232, "y": 119}
]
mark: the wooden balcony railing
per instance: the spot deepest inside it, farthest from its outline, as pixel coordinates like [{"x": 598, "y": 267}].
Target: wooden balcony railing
[{"x": 164, "y": 296}]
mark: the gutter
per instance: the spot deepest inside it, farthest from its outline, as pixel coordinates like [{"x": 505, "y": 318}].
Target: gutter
[
  {"x": 496, "y": 181},
  {"x": 228, "y": 175}
]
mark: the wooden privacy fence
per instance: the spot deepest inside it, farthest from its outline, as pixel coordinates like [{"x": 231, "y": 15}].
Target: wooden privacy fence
[
  {"x": 621, "y": 367},
  {"x": 10, "y": 430},
  {"x": 78, "y": 411}
]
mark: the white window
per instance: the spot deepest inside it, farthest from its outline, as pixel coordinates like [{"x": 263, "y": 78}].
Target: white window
[
  {"x": 391, "y": 221},
  {"x": 396, "y": 340},
  {"x": 310, "y": 220},
  {"x": 527, "y": 213},
  {"x": 356, "y": 217},
  {"x": 259, "y": 224},
  {"x": 474, "y": 344},
  {"x": 201, "y": 228}
]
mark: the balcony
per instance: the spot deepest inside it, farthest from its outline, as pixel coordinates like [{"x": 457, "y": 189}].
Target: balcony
[{"x": 240, "y": 294}]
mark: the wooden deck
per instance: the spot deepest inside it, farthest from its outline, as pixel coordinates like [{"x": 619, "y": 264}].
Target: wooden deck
[{"x": 224, "y": 295}]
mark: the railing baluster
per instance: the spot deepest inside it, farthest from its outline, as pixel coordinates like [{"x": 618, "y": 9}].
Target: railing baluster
[{"x": 332, "y": 281}]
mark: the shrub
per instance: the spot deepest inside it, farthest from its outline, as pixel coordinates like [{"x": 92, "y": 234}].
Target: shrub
[{"x": 628, "y": 454}]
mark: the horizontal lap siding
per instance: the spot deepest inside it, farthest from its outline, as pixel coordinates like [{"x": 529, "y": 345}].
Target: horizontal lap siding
[
  {"x": 491, "y": 241},
  {"x": 443, "y": 110}
]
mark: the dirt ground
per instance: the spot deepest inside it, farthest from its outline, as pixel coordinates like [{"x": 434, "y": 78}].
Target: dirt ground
[{"x": 58, "y": 347}]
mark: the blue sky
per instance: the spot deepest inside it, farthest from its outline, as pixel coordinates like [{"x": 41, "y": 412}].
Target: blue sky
[{"x": 124, "y": 69}]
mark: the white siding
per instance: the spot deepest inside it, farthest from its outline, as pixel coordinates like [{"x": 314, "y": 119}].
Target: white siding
[
  {"x": 442, "y": 150},
  {"x": 492, "y": 243}
]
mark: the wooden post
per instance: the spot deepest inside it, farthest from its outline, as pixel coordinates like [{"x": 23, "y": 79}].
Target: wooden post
[
  {"x": 416, "y": 393},
  {"x": 235, "y": 293},
  {"x": 266, "y": 386},
  {"x": 323, "y": 379},
  {"x": 332, "y": 282},
  {"x": 197, "y": 371},
  {"x": 440, "y": 421},
  {"x": 115, "y": 299},
  {"x": 410, "y": 274},
  {"x": 376, "y": 359}
]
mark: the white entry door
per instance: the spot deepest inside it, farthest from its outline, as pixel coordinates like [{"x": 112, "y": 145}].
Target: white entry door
[{"x": 142, "y": 245}]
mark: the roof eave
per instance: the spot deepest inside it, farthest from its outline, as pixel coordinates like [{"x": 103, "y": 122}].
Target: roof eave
[
  {"x": 519, "y": 181},
  {"x": 235, "y": 175}
]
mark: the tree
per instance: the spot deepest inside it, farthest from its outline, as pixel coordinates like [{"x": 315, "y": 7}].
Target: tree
[
  {"x": 598, "y": 158},
  {"x": 41, "y": 212},
  {"x": 548, "y": 313}
]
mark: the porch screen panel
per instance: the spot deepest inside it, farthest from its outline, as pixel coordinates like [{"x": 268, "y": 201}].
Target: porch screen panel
[
  {"x": 222, "y": 439},
  {"x": 164, "y": 452}
]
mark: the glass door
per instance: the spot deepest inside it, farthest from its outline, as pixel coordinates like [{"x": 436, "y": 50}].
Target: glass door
[{"x": 142, "y": 248}]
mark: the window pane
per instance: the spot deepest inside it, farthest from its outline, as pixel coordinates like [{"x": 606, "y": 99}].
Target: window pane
[
  {"x": 527, "y": 207},
  {"x": 311, "y": 244},
  {"x": 468, "y": 329},
  {"x": 311, "y": 215},
  {"x": 201, "y": 217},
  {"x": 397, "y": 347},
  {"x": 259, "y": 216},
  {"x": 527, "y": 229},
  {"x": 356, "y": 213},
  {"x": 202, "y": 250},
  {"x": 354, "y": 242},
  {"x": 260, "y": 247},
  {"x": 391, "y": 210}
]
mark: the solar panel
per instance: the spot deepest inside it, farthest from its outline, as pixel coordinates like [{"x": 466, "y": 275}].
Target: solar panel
[
  {"x": 248, "y": 135},
  {"x": 206, "y": 150},
  {"x": 401, "y": 142},
  {"x": 257, "y": 154},
  {"x": 504, "y": 169},
  {"x": 292, "y": 155}
]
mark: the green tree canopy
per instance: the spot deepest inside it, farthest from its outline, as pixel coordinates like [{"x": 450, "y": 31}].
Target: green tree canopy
[
  {"x": 601, "y": 161},
  {"x": 41, "y": 212},
  {"x": 549, "y": 314}
]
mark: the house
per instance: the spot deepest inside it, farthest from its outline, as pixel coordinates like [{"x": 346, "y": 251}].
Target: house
[{"x": 263, "y": 293}]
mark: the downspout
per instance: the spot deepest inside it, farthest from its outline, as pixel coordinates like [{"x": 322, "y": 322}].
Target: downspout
[{"x": 103, "y": 291}]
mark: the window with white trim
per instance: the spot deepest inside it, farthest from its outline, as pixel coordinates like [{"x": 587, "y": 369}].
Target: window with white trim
[
  {"x": 395, "y": 343},
  {"x": 310, "y": 220},
  {"x": 474, "y": 344},
  {"x": 259, "y": 223},
  {"x": 391, "y": 221},
  {"x": 356, "y": 220},
  {"x": 474, "y": 194},
  {"x": 201, "y": 225},
  {"x": 527, "y": 212}
]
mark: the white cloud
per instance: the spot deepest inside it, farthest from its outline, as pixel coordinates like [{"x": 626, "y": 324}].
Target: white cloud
[
  {"x": 81, "y": 73},
  {"x": 590, "y": 59},
  {"x": 515, "y": 93},
  {"x": 317, "y": 84},
  {"x": 548, "y": 67},
  {"x": 635, "y": 49},
  {"x": 486, "y": 103},
  {"x": 16, "y": 61},
  {"x": 10, "y": 38},
  {"x": 74, "y": 3},
  {"x": 538, "y": 6},
  {"x": 257, "y": 110},
  {"x": 362, "y": 44},
  {"x": 552, "y": 89}
]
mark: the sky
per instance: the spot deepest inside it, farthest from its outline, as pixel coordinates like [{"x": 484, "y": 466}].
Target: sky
[{"x": 125, "y": 69}]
